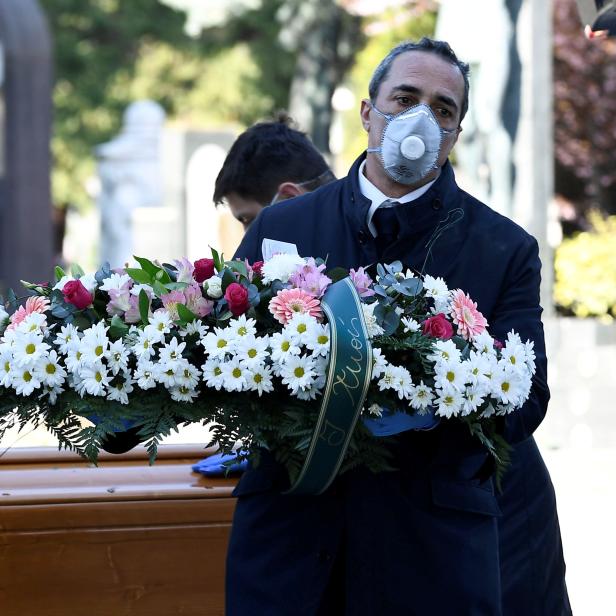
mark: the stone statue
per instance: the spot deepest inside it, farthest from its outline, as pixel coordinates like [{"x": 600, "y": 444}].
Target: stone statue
[
  {"x": 129, "y": 168},
  {"x": 484, "y": 150}
]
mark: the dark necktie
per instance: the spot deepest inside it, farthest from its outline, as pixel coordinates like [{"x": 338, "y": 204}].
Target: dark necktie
[{"x": 387, "y": 226}]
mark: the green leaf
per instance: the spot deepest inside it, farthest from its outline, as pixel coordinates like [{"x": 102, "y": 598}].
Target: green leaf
[
  {"x": 59, "y": 273},
  {"x": 227, "y": 279},
  {"x": 159, "y": 288},
  {"x": 76, "y": 271},
  {"x": 337, "y": 273},
  {"x": 176, "y": 286},
  {"x": 138, "y": 275},
  {"x": 144, "y": 306},
  {"x": 186, "y": 315},
  {"x": 147, "y": 265},
  {"x": 219, "y": 263},
  {"x": 163, "y": 276},
  {"x": 117, "y": 329}
]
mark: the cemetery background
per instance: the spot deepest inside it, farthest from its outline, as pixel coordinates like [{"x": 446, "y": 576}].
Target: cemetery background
[{"x": 215, "y": 71}]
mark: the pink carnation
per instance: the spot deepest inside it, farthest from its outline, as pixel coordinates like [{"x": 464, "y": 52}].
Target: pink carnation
[
  {"x": 292, "y": 301},
  {"x": 33, "y": 304},
  {"x": 464, "y": 314}
]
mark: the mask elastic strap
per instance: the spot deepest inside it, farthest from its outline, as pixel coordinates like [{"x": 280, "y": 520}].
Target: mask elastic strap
[{"x": 387, "y": 116}]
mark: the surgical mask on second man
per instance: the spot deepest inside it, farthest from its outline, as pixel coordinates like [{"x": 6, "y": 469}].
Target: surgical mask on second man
[{"x": 411, "y": 143}]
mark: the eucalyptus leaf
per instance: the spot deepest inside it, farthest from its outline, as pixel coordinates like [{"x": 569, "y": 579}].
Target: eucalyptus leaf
[
  {"x": 159, "y": 288},
  {"x": 117, "y": 329},
  {"x": 185, "y": 314},
  {"x": 227, "y": 279},
  {"x": 58, "y": 273},
  {"x": 76, "y": 271}
]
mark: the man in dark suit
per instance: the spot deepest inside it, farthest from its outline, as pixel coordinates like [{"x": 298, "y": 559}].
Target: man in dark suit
[
  {"x": 269, "y": 162},
  {"x": 422, "y": 540}
]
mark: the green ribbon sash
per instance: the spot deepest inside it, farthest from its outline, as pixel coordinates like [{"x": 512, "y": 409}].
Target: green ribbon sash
[{"x": 349, "y": 372}]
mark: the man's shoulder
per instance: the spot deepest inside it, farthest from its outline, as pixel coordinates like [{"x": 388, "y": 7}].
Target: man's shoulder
[{"x": 488, "y": 223}]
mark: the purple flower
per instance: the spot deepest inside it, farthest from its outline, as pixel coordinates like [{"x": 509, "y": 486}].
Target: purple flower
[
  {"x": 362, "y": 282},
  {"x": 308, "y": 278},
  {"x": 185, "y": 270}
]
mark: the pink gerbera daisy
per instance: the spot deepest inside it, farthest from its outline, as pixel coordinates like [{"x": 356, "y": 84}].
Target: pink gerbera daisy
[
  {"x": 33, "y": 304},
  {"x": 465, "y": 315},
  {"x": 293, "y": 301}
]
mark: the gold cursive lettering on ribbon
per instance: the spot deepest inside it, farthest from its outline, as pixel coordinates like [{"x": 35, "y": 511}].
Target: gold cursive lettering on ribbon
[
  {"x": 332, "y": 434},
  {"x": 346, "y": 376}
]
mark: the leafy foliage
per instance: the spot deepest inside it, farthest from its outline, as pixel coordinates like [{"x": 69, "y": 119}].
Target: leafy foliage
[{"x": 585, "y": 265}]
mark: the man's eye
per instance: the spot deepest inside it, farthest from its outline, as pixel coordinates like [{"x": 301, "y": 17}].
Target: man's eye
[
  {"x": 404, "y": 100},
  {"x": 444, "y": 113}
]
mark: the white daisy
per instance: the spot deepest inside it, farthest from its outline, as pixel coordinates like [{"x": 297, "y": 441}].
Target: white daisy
[
  {"x": 484, "y": 343},
  {"x": 120, "y": 388},
  {"x": 374, "y": 329},
  {"x": 166, "y": 374},
  {"x": 450, "y": 373},
  {"x": 6, "y": 362},
  {"x": 299, "y": 327},
  {"x": 117, "y": 358},
  {"x": 182, "y": 393},
  {"x": 283, "y": 347},
  {"x": 508, "y": 386},
  {"x": 52, "y": 372},
  {"x": 449, "y": 402},
  {"x": 379, "y": 363},
  {"x": 34, "y": 322},
  {"x": 94, "y": 343},
  {"x": 143, "y": 347},
  {"x": 242, "y": 326},
  {"x": 259, "y": 379},
  {"x": 473, "y": 399},
  {"x": 403, "y": 383},
  {"x": 513, "y": 353},
  {"x": 234, "y": 375},
  {"x": 52, "y": 393},
  {"x": 298, "y": 372},
  {"x": 444, "y": 350},
  {"x": 28, "y": 348},
  {"x": 67, "y": 338},
  {"x": 410, "y": 325},
  {"x": 478, "y": 365},
  {"x": 212, "y": 374},
  {"x": 171, "y": 353},
  {"x": 529, "y": 349},
  {"x": 145, "y": 374},
  {"x": 187, "y": 375},
  {"x": 437, "y": 289},
  {"x": 161, "y": 322},
  {"x": 421, "y": 398},
  {"x": 374, "y": 410},
  {"x": 218, "y": 343},
  {"x": 25, "y": 380},
  {"x": 251, "y": 351},
  {"x": 194, "y": 328},
  {"x": 74, "y": 359},
  {"x": 95, "y": 379},
  {"x": 319, "y": 340}
]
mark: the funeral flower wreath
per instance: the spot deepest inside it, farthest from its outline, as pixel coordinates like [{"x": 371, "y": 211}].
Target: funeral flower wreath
[{"x": 255, "y": 352}]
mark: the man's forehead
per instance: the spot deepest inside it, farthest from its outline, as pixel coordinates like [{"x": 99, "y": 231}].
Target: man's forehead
[{"x": 417, "y": 65}]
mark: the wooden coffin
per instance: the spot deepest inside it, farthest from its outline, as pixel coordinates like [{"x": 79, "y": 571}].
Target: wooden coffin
[{"x": 123, "y": 538}]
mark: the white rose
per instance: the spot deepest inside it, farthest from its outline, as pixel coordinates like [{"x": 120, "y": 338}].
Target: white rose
[{"x": 213, "y": 287}]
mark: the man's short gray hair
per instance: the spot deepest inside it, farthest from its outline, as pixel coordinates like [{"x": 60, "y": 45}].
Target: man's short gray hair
[{"x": 439, "y": 48}]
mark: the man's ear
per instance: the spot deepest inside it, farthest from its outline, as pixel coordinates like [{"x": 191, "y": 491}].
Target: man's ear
[
  {"x": 288, "y": 190},
  {"x": 366, "y": 106}
]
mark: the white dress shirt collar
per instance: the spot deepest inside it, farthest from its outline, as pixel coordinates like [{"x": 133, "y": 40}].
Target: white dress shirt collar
[{"x": 369, "y": 190}]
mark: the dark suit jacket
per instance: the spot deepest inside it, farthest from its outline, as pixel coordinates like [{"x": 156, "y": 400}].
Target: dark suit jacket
[{"x": 422, "y": 540}]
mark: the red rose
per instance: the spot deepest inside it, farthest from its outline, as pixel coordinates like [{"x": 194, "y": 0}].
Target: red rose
[
  {"x": 75, "y": 293},
  {"x": 237, "y": 298},
  {"x": 204, "y": 269},
  {"x": 257, "y": 266},
  {"x": 438, "y": 327}
]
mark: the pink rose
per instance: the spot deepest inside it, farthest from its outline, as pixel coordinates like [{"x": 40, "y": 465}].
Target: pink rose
[
  {"x": 75, "y": 293},
  {"x": 438, "y": 327},
  {"x": 204, "y": 270},
  {"x": 237, "y": 298}
]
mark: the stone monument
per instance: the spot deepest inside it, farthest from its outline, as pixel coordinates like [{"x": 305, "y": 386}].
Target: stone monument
[{"x": 130, "y": 171}]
